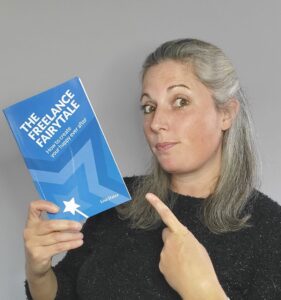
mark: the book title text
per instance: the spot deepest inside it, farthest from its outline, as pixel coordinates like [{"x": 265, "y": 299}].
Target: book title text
[{"x": 42, "y": 129}]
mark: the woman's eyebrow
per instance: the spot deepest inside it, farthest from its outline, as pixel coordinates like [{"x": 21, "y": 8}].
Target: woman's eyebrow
[
  {"x": 145, "y": 95},
  {"x": 169, "y": 88},
  {"x": 178, "y": 85}
]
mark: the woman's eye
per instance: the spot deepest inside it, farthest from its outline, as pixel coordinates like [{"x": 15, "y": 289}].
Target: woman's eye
[
  {"x": 181, "y": 102},
  {"x": 147, "y": 108}
]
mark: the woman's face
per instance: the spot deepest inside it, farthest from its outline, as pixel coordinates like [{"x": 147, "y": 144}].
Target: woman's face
[{"x": 181, "y": 123}]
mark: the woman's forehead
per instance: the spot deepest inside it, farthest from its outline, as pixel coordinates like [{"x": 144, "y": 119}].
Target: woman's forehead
[{"x": 169, "y": 73}]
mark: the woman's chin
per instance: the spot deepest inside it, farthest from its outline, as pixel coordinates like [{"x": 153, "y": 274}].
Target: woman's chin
[{"x": 170, "y": 168}]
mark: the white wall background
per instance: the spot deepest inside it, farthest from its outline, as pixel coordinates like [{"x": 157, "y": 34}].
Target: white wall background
[{"x": 44, "y": 43}]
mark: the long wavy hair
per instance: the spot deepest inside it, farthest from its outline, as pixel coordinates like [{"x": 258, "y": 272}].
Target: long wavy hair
[{"x": 223, "y": 210}]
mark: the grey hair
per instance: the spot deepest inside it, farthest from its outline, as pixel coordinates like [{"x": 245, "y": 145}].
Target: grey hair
[{"x": 224, "y": 210}]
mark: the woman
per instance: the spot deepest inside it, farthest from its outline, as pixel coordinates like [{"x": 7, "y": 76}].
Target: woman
[{"x": 196, "y": 228}]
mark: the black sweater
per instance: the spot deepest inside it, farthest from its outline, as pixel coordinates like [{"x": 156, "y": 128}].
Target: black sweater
[{"x": 116, "y": 262}]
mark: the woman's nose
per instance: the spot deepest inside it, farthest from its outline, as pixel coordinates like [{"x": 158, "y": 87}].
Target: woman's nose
[{"x": 159, "y": 120}]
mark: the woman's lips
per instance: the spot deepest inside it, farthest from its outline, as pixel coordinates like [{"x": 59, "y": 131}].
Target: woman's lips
[{"x": 163, "y": 147}]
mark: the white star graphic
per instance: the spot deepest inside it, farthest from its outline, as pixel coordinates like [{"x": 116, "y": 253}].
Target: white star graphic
[{"x": 72, "y": 206}]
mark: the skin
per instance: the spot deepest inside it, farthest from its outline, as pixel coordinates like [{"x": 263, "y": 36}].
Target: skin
[
  {"x": 179, "y": 108},
  {"x": 43, "y": 239},
  {"x": 189, "y": 117}
]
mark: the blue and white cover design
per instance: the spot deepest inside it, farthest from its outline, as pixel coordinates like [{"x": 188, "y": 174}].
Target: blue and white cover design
[{"x": 66, "y": 152}]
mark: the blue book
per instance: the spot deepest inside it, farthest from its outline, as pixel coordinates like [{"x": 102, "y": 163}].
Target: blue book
[{"x": 66, "y": 152}]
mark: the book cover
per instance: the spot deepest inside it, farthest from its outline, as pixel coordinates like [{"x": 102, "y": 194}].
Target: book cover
[{"x": 66, "y": 152}]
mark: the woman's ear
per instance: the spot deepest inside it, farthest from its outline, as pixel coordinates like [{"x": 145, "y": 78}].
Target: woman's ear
[{"x": 229, "y": 112}]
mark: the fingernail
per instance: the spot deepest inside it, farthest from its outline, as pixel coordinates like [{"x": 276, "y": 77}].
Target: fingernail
[{"x": 149, "y": 196}]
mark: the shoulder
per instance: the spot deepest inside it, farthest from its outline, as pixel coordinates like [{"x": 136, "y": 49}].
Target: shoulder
[
  {"x": 266, "y": 218},
  {"x": 265, "y": 209}
]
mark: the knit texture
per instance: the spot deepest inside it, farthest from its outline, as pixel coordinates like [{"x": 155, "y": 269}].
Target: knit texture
[{"x": 116, "y": 262}]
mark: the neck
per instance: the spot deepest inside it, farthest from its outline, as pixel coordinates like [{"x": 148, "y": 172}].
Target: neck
[
  {"x": 183, "y": 184},
  {"x": 199, "y": 184}
]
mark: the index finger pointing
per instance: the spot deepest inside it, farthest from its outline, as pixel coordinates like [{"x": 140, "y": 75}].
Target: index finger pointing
[{"x": 165, "y": 213}]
